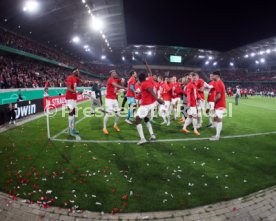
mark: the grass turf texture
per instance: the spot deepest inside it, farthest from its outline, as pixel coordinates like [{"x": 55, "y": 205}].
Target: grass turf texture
[{"x": 156, "y": 176}]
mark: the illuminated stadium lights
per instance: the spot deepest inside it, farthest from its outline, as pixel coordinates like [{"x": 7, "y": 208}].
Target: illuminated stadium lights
[
  {"x": 76, "y": 39},
  {"x": 31, "y": 6},
  {"x": 268, "y": 51},
  {"x": 133, "y": 58},
  {"x": 97, "y": 24},
  {"x": 252, "y": 54},
  {"x": 231, "y": 64},
  {"x": 257, "y": 62},
  {"x": 207, "y": 62},
  {"x": 89, "y": 11},
  {"x": 123, "y": 58},
  {"x": 201, "y": 56},
  {"x": 262, "y": 60},
  {"x": 215, "y": 63},
  {"x": 103, "y": 36},
  {"x": 83, "y": 1},
  {"x": 87, "y": 49},
  {"x": 210, "y": 58},
  {"x": 85, "y": 46},
  {"x": 246, "y": 56},
  {"x": 149, "y": 53},
  {"x": 103, "y": 57},
  {"x": 136, "y": 52},
  {"x": 261, "y": 52}
]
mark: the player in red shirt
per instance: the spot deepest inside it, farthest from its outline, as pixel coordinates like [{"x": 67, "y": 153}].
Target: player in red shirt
[
  {"x": 245, "y": 93},
  {"x": 176, "y": 89},
  {"x": 145, "y": 110},
  {"x": 165, "y": 94},
  {"x": 138, "y": 94},
  {"x": 111, "y": 102},
  {"x": 71, "y": 100},
  {"x": 242, "y": 92},
  {"x": 220, "y": 104},
  {"x": 131, "y": 95},
  {"x": 211, "y": 101},
  {"x": 200, "y": 99},
  {"x": 191, "y": 91}
]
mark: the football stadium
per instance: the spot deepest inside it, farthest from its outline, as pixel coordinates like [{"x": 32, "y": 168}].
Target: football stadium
[{"x": 137, "y": 110}]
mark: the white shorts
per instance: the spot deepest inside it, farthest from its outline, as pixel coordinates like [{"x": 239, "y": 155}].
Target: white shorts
[
  {"x": 211, "y": 105},
  {"x": 71, "y": 104},
  {"x": 192, "y": 111},
  {"x": 166, "y": 106},
  {"x": 219, "y": 113},
  {"x": 200, "y": 104},
  {"x": 111, "y": 105},
  {"x": 145, "y": 111},
  {"x": 175, "y": 100},
  {"x": 138, "y": 101}
]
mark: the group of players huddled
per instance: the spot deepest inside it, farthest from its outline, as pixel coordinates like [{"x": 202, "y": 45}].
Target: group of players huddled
[{"x": 150, "y": 96}]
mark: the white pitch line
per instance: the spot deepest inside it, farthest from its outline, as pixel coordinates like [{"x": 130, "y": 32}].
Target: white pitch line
[
  {"x": 164, "y": 140},
  {"x": 266, "y": 108},
  {"x": 63, "y": 131}
]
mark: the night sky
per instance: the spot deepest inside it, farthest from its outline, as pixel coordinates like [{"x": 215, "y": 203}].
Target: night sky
[{"x": 221, "y": 26}]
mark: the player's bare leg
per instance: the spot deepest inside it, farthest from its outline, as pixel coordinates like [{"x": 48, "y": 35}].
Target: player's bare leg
[
  {"x": 105, "y": 131},
  {"x": 218, "y": 124},
  {"x": 117, "y": 117},
  {"x": 139, "y": 128}
]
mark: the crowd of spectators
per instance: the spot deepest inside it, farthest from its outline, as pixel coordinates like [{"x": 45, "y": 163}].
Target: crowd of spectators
[
  {"x": 243, "y": 75},
  {"x": 21, "y": 72}
]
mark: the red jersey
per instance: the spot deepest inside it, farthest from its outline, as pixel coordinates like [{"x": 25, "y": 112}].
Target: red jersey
[
  {"x": 199, "y": 84},
  {"x": 241, "y": 91},
  {"x": 245, "y": 91},
  {"x": 46, "y": 85},
  {"x": 147, "y": 97},
  {"x": 176, "y": 90},
  {"x": 191, "y": 91},
  {"x": 138, "y": 96},
  {"x": 166, "y": 91},
  {"x": 131, "y": 81},
  {"x": 212, "y": 92},
  {"x": 110, "y": 89},
  {"x": 72, "y": 80},
  {"x": 220, "y": 88}
]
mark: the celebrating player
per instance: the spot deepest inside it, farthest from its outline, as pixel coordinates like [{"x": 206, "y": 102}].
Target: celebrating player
[
  {"x": 200, "y": 99},
  {"x": 71, "y": 100},
  {"x": 211, "y": 101},
  {"x": 165, "y": 92},
  {"x": 176, "y": 89},
  {"x": 220, "y": 104},
  {"x": 131, "y": 95},
  {"x": 191, "y": 91},
  {"x": 145, "y": 110},
  {"x": 111, "y": 102}
]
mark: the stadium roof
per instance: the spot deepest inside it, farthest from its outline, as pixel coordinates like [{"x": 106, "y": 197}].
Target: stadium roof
[{"x": 59, "y": 20}]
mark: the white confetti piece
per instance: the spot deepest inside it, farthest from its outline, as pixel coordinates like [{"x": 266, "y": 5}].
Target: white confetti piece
[
  {"x": 205, "y": 184},
  {"x": 49, "y": 192},
  {"x": 217, "y": 177},
  {"x": 93, "y": 196},
  {"x": 166, "y": 193},
  {"x": 165, "y": 200},
  {"x": 245, "y": 181},
  {"x": 226, "y": 175},
  {"x": 98, "y": 203},
  {"x": 226, "y": 187},
  {"x": 131, "y": 193},
  {"x": 73, "y": 191},
  {"x": 218, "y": 159},
  {"x": 189, "y": 194}
]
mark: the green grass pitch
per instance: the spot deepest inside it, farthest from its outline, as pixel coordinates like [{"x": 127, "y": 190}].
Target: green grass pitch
[{"x": 126, "y": 177}]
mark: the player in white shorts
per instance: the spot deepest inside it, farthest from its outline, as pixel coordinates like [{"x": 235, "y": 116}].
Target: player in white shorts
[{"x": 145, "y": 110}]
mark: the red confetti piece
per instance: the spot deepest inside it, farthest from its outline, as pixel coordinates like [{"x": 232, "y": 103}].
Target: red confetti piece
[{"x": 124, "y": 197}]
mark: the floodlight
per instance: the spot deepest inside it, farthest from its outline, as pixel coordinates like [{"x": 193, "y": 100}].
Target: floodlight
[
  {"x": 97, "y": 24},
  {"x": 76, "y": 39},
  {"x": 31, "y": 6}
]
